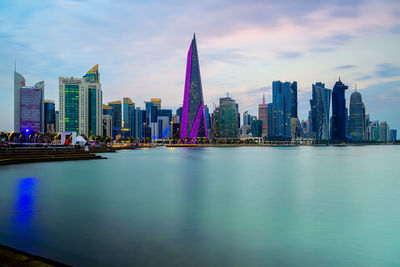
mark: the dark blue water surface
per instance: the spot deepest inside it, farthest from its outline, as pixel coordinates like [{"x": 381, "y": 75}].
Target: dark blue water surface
[{"x": 244, "y": 206}]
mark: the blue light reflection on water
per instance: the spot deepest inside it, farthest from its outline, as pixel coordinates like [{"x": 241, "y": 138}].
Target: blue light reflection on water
[{"x": 24, "y": 209}]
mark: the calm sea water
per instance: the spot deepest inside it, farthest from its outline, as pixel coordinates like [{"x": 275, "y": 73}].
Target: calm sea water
[{"x": 244, "y": 206}]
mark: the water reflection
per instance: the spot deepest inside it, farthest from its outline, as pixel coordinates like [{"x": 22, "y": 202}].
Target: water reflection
[{"x": 24, "y": 204}]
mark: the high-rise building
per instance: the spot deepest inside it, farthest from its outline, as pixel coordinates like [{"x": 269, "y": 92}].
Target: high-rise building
[
  {"x": 156, "y": 102},
  {"x": 57, "y": 121},
  {"x": 19, "y": 81},
  {"x": 225, "y": 119},
  {"x": 319, "y": 115},
  {"x": 80, "y": 102},
  {"x": 95, "y": 101},
  {"x": 256, "y": 128},
  {"x": 193, "y": 122},
  {"x": 338, "y": 130},
  {"x": 373, "y": 131},
  {"x": 31, "y": 109},
  {"x": 116, "y": 111},
  {"x": 263, "y": 117},
  {"x": 107, "y": 110},
  {"x": 107, "y": 125},
  {"x": 28, "y": 105},
  {"x": 128, "y": 107},
  {"x": 357, "y": 117},
  {"x": 246, "y": 118},
  {"x": 284, "y": 97},
  {"x": 49, "y": 116},
  {"x": 384, "y": 131},
  {"x": 393, "y": 135},
  {"x": 270, "y": 108}
]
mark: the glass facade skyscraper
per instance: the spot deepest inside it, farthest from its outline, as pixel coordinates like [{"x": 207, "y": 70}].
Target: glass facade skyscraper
[
  {"x": 338, "y": 130},
  {"x": 284, "y": 97},
  {"x": 116, "y": 117},
  {"x": 225, "y": 119},
  {"x": 320, "y": 106},
  {"x": 193, "y": 122},
  {"x": 49, "y": 116},
  {"x": 357, "y": 117},
  {"x": 80, "y": 102}
]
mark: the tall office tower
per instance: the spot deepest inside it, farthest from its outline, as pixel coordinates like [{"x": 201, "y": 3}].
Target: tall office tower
[
  {"x": 179, "y": 115},
  {"x": 128, "y": 107},
  {"x": 95, "y": 101},
  {"x": 107, "y": 110},
  {"x": 373, "y": 131},
  {"x": 357, "y": 117},
  {"x": 107, "y": 125},
  {"x": 338, "y": 130},
  {"x": 246, "y": 118},
  {"x": 81, "y": 104},
  {"x": 30, "y": 101},
  {"x": 139, "y": 125},
  {"x": 193, "y": 122},
  {"x": 156, "y": 102},
  {"x": 263, "y": 116},
  {"x": 384, "y": 131},
  {"x": 31, "y": 109},
  {"x": 49, "y": 116},
  {"x": 116, "y": 111},
  {"x": 256, "y": 128},
  {"x": 393, "y": 135},
  {"x": 270, "y": 119},
  {"x": 320, "y": 105},
  {"x": 19, "y": 81},
  {"x": 225, "y": 119},
  {"x": 163, "y": 127},
  {"x": 284, "y": 97},
  {"x": 57, "y": 121},
  {"x": 208, "y": 120}
]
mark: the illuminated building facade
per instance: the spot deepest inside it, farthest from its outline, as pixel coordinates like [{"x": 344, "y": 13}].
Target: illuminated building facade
[
  {"x": 193, "y": 122},
  {"x": 116, "y": 111},
  {"x": 31, "y": 109},
  {"x": 80, "y": 102},
  {"x": 49, "y": 116}
]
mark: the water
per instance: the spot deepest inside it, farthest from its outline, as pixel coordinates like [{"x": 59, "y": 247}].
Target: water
[{"x": 244, "y": 206}]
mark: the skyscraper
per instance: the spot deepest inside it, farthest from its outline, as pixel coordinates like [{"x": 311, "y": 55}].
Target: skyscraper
[
  {"x": 128, "y": 106},
  {"x": 225, "y": 119},
  {"x": 28, "y": 105},
  {"x": 384, "y": 131},
  {"x": 95, "y": 101},
  {"x": 80, "y": 102},
  {"x": 284, "y": 97},
  {"x": 49, "y": 116},
  {"x": 338, "y": 130},
  {"x": 193, "y": 122},
  {"x": 31, "y": 109},
  {"x": 357, "y": 117},
  {"x": 263, "y": 117},
  {"x": 116, "y": 111},
  {"x": 320, "y": 105},
  {"x": 19, "y": 81}
]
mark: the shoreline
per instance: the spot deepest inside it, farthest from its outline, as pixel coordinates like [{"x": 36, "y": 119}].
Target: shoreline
[
  {"x": 273, "y": 145},
  {"x": 13, "y": 257}
]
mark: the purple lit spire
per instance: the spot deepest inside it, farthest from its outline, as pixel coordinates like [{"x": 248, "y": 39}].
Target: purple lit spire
[{"x": 193, "y": 123}]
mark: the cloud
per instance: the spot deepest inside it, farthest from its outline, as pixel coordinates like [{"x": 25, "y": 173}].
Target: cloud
[
  {"x": 395, "y": 29},
  {"x": 345, "y": 67},
  {"x": 388, "y": 70}
]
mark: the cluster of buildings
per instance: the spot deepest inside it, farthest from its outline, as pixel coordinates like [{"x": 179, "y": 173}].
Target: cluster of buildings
[{"x": 81, "y": 110}]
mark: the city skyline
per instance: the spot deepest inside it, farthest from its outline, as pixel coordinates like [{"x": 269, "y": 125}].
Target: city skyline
[{"x": 242, "y": 58}]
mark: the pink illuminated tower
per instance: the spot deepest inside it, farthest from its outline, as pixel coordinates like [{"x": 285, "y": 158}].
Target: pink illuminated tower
[
  {"x": 263, "y": 116},
  {"x": 193, "y": 122}
]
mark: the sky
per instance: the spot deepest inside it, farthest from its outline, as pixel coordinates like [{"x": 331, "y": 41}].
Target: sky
[{"x": 141, "y": 48}]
